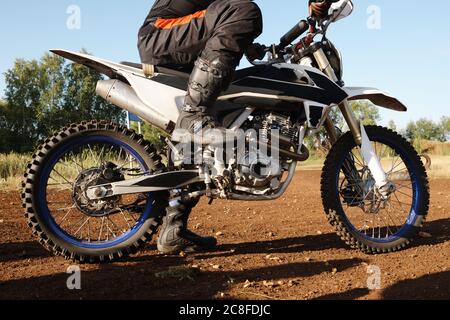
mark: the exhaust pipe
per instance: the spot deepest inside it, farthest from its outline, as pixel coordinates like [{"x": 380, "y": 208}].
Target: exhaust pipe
[{"x": 123, "y": 96}]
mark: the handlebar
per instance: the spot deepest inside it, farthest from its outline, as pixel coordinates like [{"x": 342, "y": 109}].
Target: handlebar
[
  {"x": 315, "y": 27},
  {"x": 285, "y": 41},
  {"x": 299, "y": 29}
]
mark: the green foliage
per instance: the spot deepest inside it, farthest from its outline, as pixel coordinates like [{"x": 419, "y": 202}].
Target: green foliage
[
  {"x": 45, "y": 95},
  {"x": 364, "y": 110},
  {"x": 13, "y": 165},
  {"x": 425, "y": 129},
  {"x": 392, "y": 125},
  {"x": 445, "y": 125},
  {"x": 367, "y": 112},
  {"x": 151, "y": 134}
]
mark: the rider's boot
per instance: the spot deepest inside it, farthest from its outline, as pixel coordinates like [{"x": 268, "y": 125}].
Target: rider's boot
[
  {"x": 175, "y": 237},
  {"x": 207, "y": 81}
]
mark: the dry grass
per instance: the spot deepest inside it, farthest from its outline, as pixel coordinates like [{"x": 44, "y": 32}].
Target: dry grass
[
  {"x": 440, "y": 167},
  {"x": 13, "y": 166},
  {"x": 438, "y": 151},
  {"x": 432, "y": 147}
]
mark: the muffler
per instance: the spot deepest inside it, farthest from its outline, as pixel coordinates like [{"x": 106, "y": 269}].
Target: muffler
[{"x": 123, "y": 96}]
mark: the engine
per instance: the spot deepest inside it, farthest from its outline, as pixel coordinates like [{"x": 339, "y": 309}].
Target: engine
[
  {"x": 257, "y": 169},
  {"x": 278, "y": 126}
]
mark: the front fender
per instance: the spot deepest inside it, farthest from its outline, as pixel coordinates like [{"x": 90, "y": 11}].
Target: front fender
[{"x": 376, "y": 96}]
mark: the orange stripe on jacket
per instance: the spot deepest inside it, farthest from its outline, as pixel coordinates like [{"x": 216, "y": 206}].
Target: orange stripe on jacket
[{"x": 170, "y": 23}]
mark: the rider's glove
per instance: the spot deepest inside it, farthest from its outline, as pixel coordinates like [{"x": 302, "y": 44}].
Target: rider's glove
[
  {"x": 256, "y": 52},
  {"x": 319, "y": 8}
]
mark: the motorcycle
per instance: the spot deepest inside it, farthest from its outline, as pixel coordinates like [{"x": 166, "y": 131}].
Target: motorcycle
[{"x": 97, "y": 191}]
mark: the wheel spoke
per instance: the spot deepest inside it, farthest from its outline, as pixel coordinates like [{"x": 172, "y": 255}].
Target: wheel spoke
[
  {"x": 126, "y": 220},
  {"x": 101, "y": 229},
  {"x": 379, "y": 218},
  {"x": 64, "y": 178},
  {"x": 65, "y": 217},
  {"x": 85, "y": 220},
  {"x": 107, "y": 227},
  {"x": 407, "y": 195},
  {"x": 81, "y": 227},
  {"x": 401, "y": 186}
]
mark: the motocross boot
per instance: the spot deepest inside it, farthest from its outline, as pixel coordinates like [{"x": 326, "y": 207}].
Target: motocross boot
[
  {"x": 208, "y": 79},
  {"x": 175, "y": 237}
]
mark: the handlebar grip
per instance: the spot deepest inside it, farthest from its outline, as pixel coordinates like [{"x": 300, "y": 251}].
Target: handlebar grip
[{"x": 294, "y": 33}]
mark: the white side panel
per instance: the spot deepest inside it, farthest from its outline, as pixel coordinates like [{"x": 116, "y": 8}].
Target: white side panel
[
  {"x": 161, "y": 98},
  {"x": 376, "y": 96}
]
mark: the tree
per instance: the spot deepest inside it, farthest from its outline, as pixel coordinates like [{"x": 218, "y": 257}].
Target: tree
[
  {"x": 5, "y": 132},
  {"x": 363, "y": 110},
  {"x": 410, "y": 130},
  {"x": 425, "y": 129},
  {"x": 23, "y": 88},
  {"x": 392, "y": 125},
  {"x": 44, "y": 95},
  {"x": 445, "y": 125},
  {"x": 368, "y": 112}
]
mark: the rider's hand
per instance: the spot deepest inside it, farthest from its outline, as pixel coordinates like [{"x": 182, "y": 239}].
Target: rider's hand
[
  {"x": 256, "y": 52},
  {"x": 319, "y": 8}
]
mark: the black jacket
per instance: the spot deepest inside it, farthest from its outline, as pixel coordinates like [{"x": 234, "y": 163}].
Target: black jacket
[{"x": 177, "y": 8}]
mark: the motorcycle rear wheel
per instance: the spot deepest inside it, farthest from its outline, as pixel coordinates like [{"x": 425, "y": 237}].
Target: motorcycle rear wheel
[{"x": 51, "y": 196}]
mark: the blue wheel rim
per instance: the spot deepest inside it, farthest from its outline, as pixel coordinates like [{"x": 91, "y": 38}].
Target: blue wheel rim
[
  {"x": 42, "y": 191},
  {"x": 413, "y": 214}
]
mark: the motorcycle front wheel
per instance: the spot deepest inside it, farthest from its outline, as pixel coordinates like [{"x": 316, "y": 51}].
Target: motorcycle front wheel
[
  {"x": 60, "y": 214},
  {"x": 363, "y": 218}
]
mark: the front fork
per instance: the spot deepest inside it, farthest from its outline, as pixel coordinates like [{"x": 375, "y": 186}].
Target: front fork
[{"x": 356, "y": 128}]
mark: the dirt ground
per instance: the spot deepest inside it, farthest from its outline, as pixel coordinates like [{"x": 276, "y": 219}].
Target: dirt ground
[{"x": 280, "y": 250}]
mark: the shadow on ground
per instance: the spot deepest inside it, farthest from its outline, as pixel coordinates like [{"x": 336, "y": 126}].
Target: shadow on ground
[
  {"x": 439, "y": 230},
  {"x": 135, "y": 278},
  {"x": 287, "y": 245},
  {"x": 138, "y": 281},
  {"x": 433, "y": 287},
  {"x": 15, "y": 251}
]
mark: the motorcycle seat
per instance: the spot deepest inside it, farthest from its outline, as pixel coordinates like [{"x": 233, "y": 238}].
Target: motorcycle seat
[
  {"x": 184, "y": 71},
  {"x": 181, "y": 71}
]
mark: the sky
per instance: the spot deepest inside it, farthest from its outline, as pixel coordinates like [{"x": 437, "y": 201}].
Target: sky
[{"x": 401, "y": 47}]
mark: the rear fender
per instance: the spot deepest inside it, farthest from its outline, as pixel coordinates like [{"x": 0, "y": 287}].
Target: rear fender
[
  {"x": 106, "y": 67},
  {"x": 167, "y": 101}
]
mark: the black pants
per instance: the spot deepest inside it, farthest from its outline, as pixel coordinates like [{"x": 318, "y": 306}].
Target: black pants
[{"x": 225, "y": 27}]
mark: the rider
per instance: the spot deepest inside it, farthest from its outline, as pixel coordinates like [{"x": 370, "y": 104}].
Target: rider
[{"x": 215, "y": 34}]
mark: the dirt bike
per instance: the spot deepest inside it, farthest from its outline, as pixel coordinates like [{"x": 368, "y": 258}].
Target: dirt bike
[{"x": 97, "y": 191}]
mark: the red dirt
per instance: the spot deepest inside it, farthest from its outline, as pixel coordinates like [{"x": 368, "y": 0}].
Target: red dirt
[{"x": 285, "y": 249}]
